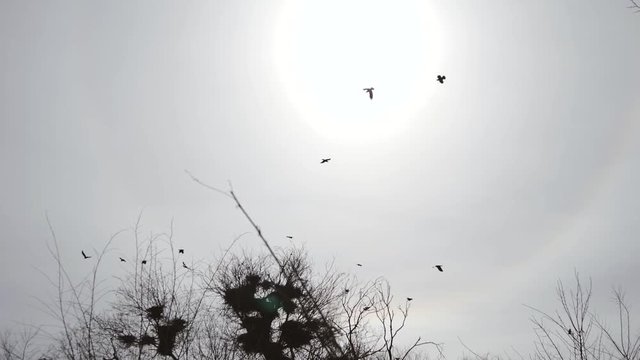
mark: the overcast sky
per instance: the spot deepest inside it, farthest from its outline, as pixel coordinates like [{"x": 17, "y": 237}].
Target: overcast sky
[{"x": 523, "y": 166}]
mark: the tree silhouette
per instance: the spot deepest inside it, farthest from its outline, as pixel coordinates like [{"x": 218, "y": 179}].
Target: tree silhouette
[{"x": 270, "y": 306}]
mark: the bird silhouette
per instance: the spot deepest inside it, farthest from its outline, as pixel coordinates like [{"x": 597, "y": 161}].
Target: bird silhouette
[
  {"x": 185, "y": 266},
  {"x": 85, "y": 255},
  {"x": 439, "y": 267},
  {"x": 370, "y": 91},
  {"x": 325, "y": 161},
  {"x": 144, "y": 262},
  {"x": 289, "y": 237},
  {"x": 441, "y": 79},
  {"x": 359, "y": 264},
  {"x": 180, "y": 251},
  {"x": 570, "y": 332},
  {"x": 409, "y": 298},
  {"x": 366, "y": 308},
  {"x": 122, "y": 260},
  {"x": 346, "y": 291}
]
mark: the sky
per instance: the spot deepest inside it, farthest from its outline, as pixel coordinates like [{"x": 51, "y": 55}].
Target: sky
[{"x": 517, "y": 171}]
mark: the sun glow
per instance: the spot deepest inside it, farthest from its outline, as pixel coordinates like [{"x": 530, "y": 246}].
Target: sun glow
[{"x": 327, "y": 52}]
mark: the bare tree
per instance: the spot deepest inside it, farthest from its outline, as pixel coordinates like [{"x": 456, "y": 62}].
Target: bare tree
[
  {"x": 271, "y": 305},
  {"x": 371, "y": 324},
  {"x": 392, "y": 323},
  {"x": 568, "y": 334},
  {"x": 357, "y": 308},
  {"x": 161, "y": 307},
  {"x": 164, "y": 307},
  {"x": 19, "y": 347},
  {"x": 75, "y": 305},
  {"x": 624, "y": 345}
]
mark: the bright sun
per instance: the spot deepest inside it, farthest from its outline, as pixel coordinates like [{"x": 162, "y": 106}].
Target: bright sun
[{"x": 328, "y": 51}]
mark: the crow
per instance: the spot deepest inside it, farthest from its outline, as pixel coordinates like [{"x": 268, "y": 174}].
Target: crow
[
  {"x": 180, "y": 251},
  {"x": 366, "y": 308},
  {"x": 409, "y": 298},
  {"x": 122, "y": 260},
  {"x": 144, "y": 262},
  {"x": 441, "y": 79},
  {"x": 359, "y": 264},
  {"x": 439, "y": 267},
  {"x": 85, "y": 255},
  {"x": 569, "y": 332},
  {"x": 185, "y": 266},
  {"x": 346, "y": 291},
  {"x": 325, "y": 161},
  {"x": 370, "y": 91},
  {"x": 289, "y": 237}
]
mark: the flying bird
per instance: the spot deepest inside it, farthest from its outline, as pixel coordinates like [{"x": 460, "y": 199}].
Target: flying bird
[
  {"x": 85, "y": 255},
  {"x": 366, "y": 308},
  {"x": 439, "y": 267},
  {"x": 180, "y": 251},
  {"x": 289, "y": 237},
  {"x": 441, "y": 79},
  {"x": 185, "y": 265},
  {"x": 370, "y": 91},
  {"x": 144, "y": 262},
  {"x": 122, "y": 260},
  {"x": 409, "y": 298},
  {"x": 359, "y": 264},
  {"x": 325, "y": 161}
]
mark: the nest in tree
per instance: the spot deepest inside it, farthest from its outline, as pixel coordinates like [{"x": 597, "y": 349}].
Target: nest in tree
[
  {"x": 155, "y": 312},
  {"x": 127, "y": 339},
  {"x": 288, "y": 291},
  {"x": 254, "y": 342},
  {"x": 295, "y": 334},
  {"x": 257, "y": 324},
  {"x": 147, "y": 339},
  {"x": 274, "y": 351},
  {"x": 167, "y": 335},
  {"x": 242, "y": 298}
]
